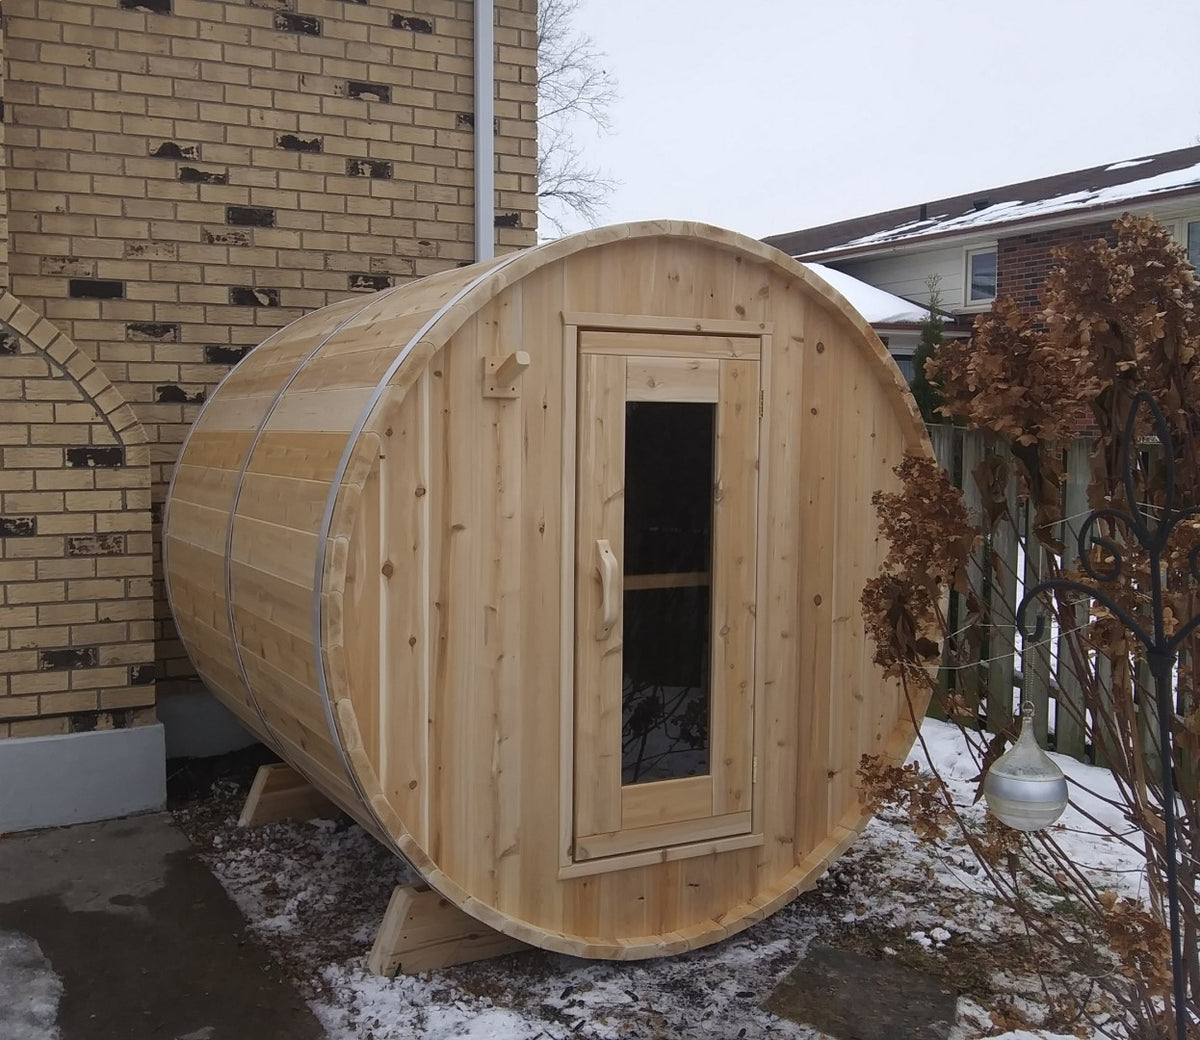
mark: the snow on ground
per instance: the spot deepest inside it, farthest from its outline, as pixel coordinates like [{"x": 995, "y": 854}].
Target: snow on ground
[
  {"x": 315, "y": 893},
  {"x": 25, "y": 973}
]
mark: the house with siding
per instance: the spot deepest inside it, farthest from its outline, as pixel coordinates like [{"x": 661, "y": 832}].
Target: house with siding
[
  {"x": 998, "y": 241},
  {"x": 177, "y": 181}
]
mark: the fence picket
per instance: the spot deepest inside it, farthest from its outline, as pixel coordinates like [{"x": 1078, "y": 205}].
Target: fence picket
[
  {"x": 1035, "y": 657},
  {"x": 1069, "y": 716},
  {"x": 1002, "y": 609},
  {"x": 970, "y": 679}
]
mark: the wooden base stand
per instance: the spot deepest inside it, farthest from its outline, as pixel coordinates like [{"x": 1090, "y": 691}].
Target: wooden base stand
[
  {"x": 280, "y": 793},
  {"x": 422, "y": 931}
]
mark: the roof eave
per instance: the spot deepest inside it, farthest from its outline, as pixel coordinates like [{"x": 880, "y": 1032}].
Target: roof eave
[{"x": 1067, "y": 218}]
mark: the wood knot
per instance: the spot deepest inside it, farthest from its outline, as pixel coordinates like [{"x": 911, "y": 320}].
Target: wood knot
[
  {"x": 817, "y": 599},
  {"x": 412, "y": 785},
  {"x": 420, "y": 491},
  {"x": 388, "y": 569},
  {"x": 820, "y": 348}
]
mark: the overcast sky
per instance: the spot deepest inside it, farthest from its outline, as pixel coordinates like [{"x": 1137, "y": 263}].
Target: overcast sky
[{"x": 766, "y": 116}]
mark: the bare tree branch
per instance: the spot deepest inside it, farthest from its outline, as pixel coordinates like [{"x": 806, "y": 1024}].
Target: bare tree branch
[{"x": 574, "y": 89}]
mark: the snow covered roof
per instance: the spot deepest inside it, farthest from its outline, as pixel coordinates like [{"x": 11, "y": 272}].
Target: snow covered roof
[
  {"x": 1096, "y": 188},
  {"x": 877, "y": 306}
]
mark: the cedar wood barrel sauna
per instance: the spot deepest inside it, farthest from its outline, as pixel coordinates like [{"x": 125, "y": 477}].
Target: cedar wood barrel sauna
[{"x": 546, "y": 570}]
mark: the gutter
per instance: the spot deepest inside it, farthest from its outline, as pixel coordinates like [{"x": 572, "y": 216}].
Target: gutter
[{"x": 485, "y": 144}]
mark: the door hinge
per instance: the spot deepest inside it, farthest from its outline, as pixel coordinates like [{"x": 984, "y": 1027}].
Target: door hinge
[
  {"x": 754, "y": 770},
  {"x": 760, "y": 404}
]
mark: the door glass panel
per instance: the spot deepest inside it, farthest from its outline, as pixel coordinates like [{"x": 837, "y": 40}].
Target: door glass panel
[{"x": 669, "y": 448}]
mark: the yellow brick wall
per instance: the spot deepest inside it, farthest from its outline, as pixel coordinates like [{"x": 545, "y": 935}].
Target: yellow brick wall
[
  {"x": 184, "y": 176},
  {"x": 76, "y": 603}
]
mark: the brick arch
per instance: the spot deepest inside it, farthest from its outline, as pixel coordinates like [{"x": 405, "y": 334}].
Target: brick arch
[{"x": 76, "y": 554}]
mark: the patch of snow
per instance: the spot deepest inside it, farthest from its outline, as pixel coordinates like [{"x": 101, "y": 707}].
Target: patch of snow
[
  {"x": 1112, "y": 864},
  {"x": 1126, "y": 165},
  {"x": 1014, "y": 210},
  {"x": 30, "y": 990},
  {"x": 877, "y": 306},
  {"x": 1025, "y": 1034}
]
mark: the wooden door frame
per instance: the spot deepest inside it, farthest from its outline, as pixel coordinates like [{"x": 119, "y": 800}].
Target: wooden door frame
[{"x": 647, "y": 327}]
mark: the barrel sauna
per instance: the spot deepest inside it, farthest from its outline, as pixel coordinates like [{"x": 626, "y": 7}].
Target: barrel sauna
[{"x": 546, "y": 570}]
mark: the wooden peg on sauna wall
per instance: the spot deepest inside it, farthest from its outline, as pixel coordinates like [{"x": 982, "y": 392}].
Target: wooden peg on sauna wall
[{"x": 502, "y": 376}]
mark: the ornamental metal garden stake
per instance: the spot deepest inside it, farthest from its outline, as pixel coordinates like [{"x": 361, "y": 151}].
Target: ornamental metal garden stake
[{"x": 1153, "y": 534}]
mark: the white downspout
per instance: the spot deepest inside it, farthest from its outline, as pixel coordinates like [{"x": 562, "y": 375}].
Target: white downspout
[{"x": 485, "y": 116}]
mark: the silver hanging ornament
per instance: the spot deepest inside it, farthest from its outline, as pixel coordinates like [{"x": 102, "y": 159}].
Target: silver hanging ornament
[{"x": 1024, "y": 788}]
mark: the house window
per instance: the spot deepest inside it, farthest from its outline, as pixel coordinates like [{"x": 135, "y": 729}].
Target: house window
[
  {"x": 907, "y": 365},
  {"x": 1193, "y": 243},
  {"x": 981, "y": 275}
]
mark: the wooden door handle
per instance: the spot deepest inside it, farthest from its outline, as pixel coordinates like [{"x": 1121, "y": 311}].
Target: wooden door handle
[{"x": 610, "y": 590}]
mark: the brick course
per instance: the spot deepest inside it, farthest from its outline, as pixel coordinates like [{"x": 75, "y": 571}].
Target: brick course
[{"x": 1023, "y": 261}]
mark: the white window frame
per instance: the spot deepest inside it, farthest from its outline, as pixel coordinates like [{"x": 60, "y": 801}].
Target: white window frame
[
  {"x": 1181, "y": 233},
  {"x": 968, "y": 255},
  {"x": 1177, "y": 226}
]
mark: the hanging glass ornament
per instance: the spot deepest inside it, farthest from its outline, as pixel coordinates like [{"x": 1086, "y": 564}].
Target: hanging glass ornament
[{"x": 1024, "y": 788}]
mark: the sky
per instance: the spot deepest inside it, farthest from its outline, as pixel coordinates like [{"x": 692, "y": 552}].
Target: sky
[{"x": 767, "y": 116}]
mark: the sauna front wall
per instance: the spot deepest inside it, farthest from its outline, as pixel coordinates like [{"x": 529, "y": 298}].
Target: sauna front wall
[{"x": 394, "y": 573}]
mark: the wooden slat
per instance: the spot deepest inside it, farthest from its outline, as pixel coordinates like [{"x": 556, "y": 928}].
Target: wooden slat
[
  {"x": 368, "y": 657},
  {"x": 785, "y": 552},
  {"x": 501, "y": 691},
  {"x": 283, "y": 552},
  {"x": 653, "y": 857},
  {"x": 593, "y": 846},
  {"x": 320, "y": 411},
  {"x": 544, "y": 548},
  {"x": 762, "y": 566},
  {"x": 673, "y": 379},
  {"x": 692, "y": 327},
  {"x": 645, "y": 805},
  {"x": 599, "y": 514},
  {"x": 404, "y": 586},
  {"x": 816, "y": 526},
  {"x": 283, "y": 501},
  {"x": 852, "y": 563},
  {"x": 568, "y": 608},
  {"x": 679, "y": 580},
  {"x": 304, "y": 454},
  {"x": 734, "y": 592},
  {"x": 647, "y": 344}
]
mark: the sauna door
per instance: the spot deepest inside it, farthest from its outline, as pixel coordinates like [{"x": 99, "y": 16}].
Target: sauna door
[{"x": 666, "y": 558}]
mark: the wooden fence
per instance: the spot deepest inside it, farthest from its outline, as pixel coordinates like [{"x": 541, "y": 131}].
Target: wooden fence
[{"x": 996, "y": 662}]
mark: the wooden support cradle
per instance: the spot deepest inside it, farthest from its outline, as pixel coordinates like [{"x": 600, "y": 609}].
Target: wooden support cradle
[
  {"x": 280, "y": 793},
  {"x": 421, "y": 931}
]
